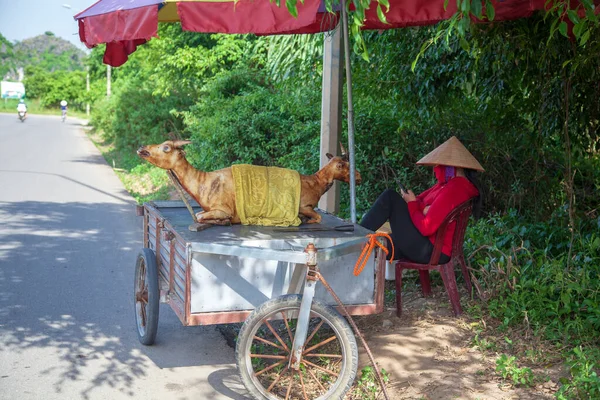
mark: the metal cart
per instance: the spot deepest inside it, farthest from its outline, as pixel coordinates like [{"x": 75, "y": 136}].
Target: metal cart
[{"x": 291, "y": 345}]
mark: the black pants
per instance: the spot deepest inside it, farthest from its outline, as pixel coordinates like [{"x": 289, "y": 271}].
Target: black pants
[{"x": 409, "y": 243}]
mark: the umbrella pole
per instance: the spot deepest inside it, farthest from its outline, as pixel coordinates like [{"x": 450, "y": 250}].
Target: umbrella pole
[{"x": 350, "y": 113}]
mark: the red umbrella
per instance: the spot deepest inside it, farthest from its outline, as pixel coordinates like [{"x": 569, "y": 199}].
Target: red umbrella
[{"x": 125, "y": 24}]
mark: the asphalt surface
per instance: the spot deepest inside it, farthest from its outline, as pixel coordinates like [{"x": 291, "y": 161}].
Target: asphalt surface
[{"x": 69, "y": 238}]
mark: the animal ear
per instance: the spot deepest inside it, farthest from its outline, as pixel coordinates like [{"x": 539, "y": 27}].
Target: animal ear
[
  {"x": 178, "y": 144},
  {"x": 344, "y": 153},
  {"x": 329, "y": 156},
  {"x": 173, "y": 136}
]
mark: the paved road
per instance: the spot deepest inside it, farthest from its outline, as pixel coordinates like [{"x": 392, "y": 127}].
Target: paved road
[{"x": 68, "y": 243}]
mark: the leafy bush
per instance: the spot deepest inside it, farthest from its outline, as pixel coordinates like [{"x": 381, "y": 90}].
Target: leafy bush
[
  {"x": 532, "y": 272},
  {"x": 584, "y": 366},
  {"x": 542, "y": 277},
  {"x": 52, "y": 87},
  {"x": 250, "y": 122},
  {"x": 507, "y": 367},
  {"x": 133, "y": 116}
]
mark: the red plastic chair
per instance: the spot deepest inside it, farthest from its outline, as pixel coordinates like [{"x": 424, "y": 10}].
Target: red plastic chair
[{"x": 461, "y": 215}]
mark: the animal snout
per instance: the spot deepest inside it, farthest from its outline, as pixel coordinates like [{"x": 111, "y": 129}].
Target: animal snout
[
  {"x": 142, "y": 152},
  {"x": 358, "y": 178}
]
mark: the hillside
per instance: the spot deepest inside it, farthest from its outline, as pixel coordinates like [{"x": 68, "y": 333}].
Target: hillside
[
  {"x": 7, "y": 61},
  {"x": 47, "y": 52}
]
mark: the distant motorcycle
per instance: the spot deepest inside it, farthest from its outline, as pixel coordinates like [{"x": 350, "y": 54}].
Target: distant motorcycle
[
  {"x": 63, "y": 108},
  {"x": 22, "y": 116}
]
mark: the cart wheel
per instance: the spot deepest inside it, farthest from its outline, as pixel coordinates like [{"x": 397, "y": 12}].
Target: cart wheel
[
  {"x": 329, "y": 358},
  {"x": 146, "y": 296}
]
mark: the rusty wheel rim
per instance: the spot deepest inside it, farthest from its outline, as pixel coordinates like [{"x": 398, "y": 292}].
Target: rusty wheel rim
[{"x": 269, "y": 355}]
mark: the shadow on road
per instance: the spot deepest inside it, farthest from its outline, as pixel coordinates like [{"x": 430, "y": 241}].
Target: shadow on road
[
  {"x": 97, "y": 159},
  {"x": 83, "y": 184},
  {"x": 227, "y": 382},
  {"x": 66, "y": 289}
]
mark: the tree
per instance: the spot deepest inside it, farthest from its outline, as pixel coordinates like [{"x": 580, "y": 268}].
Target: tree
[{"x": 52, "y": 87}]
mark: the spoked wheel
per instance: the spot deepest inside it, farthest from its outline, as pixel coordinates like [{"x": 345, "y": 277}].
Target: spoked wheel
[
  {"x": 146, "y": 296},
  {"x": 329, "y": 358}
]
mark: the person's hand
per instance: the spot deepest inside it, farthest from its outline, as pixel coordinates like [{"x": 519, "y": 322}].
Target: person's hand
[
  {"x": 408, "y": 196},
  {"x": 425, "y": 210}
]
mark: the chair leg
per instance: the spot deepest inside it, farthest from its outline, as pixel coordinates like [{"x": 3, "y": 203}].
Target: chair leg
[
  {"x": 425, "y": 282},
  {"x": 466, "y": 276},
  {"x": 447, "y": 272},
  {"x": 398, "y": 291}
]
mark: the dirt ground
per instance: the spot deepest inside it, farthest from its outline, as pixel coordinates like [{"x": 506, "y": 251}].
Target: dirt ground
[{"x": 429, "y": 354}]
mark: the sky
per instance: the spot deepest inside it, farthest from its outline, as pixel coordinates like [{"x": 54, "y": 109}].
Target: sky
[{"x": 28, "y": 18}]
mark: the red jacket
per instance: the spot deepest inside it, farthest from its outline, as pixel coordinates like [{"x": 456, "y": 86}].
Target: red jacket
[{"x": 442, "y": 198}]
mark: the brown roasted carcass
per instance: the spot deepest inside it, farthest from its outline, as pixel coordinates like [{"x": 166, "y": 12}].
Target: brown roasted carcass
[{"x": 214, "y": 191}]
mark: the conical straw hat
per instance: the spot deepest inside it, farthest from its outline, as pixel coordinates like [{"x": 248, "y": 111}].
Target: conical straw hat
[{"x": 451, "y": 153}]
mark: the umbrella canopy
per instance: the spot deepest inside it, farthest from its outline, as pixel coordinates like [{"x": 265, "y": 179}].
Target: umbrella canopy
[{"x": 125, "y": 24}]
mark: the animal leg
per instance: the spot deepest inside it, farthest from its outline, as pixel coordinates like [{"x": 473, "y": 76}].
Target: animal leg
[
  {"x": 215, "y": 217},
  {"x": 315, "y": 217}
]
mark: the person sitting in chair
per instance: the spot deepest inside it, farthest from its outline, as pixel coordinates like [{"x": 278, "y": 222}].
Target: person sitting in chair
[{"x": 414, "y": 220}]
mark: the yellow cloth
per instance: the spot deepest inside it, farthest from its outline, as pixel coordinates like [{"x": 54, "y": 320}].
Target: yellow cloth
[{"x": 267, "y": 196}]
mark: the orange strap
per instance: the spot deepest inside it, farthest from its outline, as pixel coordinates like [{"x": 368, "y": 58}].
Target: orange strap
[{"x": 369, "y": 247}]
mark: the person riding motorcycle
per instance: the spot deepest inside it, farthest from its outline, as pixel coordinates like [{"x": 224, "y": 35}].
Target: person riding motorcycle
[
  {"x": 63, "y": 107},
  {"x": 22, "y": 108}
]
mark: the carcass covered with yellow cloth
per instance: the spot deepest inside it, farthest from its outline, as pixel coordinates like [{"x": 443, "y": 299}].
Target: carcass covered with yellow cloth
[
  {"x": 249, "y": 194},
  {"x": 267, "y": 196}
]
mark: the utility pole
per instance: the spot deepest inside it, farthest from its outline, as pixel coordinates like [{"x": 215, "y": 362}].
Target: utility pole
[
  {"x": 331, "y": 110},
  {"x": 87, "y": 88},
  {"x": 108, "y": 71}
]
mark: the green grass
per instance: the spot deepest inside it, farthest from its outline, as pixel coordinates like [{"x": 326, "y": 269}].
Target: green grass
[{"x": 367, "y": 386}]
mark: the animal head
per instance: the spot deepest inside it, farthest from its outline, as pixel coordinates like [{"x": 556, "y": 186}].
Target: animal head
[
  {"x": 339, "y": 167},
  {"x": 165, "y": 155}
]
